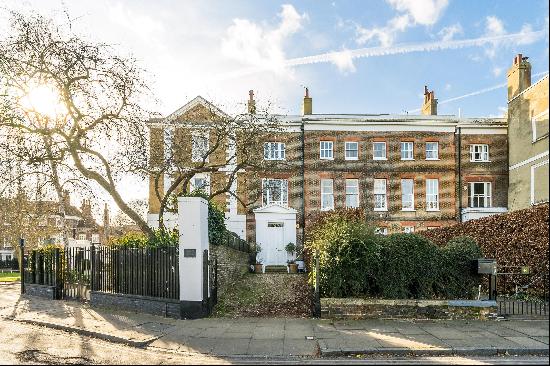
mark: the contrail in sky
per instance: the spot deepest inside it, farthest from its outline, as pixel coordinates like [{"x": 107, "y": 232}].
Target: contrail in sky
[
  {"x": 393, "y": 50},
  {"x": 481, "y": 91}
]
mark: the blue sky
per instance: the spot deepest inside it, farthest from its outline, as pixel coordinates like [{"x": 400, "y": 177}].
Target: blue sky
[{"x": 221, "y": 49}]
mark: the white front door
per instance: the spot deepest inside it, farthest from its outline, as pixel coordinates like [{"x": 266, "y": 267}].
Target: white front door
[{"x": 274, "y": 246}]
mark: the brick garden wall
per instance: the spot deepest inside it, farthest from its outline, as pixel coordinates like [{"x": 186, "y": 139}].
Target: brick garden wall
[
  {"x": 519, "y": 238},
  {"x": 232, "y": 265}
]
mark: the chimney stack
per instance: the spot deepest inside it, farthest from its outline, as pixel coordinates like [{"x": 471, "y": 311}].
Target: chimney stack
[
  {"x": 307, "y": 107},
  {"x": 519, "y": 76},
  {"x": 251, "y": 102},
  {"x": 429, "y": 108}
]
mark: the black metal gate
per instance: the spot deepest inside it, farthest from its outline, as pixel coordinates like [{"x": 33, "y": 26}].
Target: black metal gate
[
  {"x": 77, "y": 273},
  {"x": 210, "y": 280}
]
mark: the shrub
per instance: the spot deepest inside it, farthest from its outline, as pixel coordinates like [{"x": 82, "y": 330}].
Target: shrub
[
  {"x": 161, "y": 239},
  {"x": 410, "y": 267},
  {"x": 459, "y": 280},
  {"x": 348, "y": 256}
]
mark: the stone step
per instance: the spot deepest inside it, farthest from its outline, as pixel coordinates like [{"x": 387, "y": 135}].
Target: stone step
[{"x": 276, "y": 269}]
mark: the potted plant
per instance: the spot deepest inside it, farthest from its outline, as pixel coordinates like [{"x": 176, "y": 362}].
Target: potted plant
[
  {"x": 258, "y": 266},
  {"x": 292, "y": 266}
]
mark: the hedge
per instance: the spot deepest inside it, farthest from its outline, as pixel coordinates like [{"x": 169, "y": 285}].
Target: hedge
[
  {"x": 355, "y": 262},
  {"x": 515, "y": 239}
]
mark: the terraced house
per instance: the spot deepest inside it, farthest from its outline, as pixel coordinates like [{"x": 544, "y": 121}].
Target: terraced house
[{"x": 408, "y": 172}]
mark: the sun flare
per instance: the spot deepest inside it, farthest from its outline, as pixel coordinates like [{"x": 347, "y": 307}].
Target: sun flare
[{"x": 43, "y": 99}]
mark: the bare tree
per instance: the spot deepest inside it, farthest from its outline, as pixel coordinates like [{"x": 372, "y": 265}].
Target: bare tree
[
  {"x": 75, "y": 106},
  {"x": 213, "y": 143}
]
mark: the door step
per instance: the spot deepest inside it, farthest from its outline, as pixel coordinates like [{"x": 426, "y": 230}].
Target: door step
[{"x": 276, "y": 269}]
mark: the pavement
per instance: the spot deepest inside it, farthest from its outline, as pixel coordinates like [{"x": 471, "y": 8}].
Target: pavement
[{"x": 280, "y": 337}]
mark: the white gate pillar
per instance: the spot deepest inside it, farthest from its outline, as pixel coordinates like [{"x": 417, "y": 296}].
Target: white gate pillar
[{"x": 193, "y": 241}]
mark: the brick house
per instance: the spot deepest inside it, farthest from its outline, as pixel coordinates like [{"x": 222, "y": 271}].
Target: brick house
[{"x": 408, "y": 172}]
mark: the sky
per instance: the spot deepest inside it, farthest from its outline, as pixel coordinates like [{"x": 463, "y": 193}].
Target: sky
[{"x": 355, "y": 56}]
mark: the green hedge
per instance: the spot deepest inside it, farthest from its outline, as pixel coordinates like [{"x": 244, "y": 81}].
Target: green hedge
[{"x": 355, "y": 262}]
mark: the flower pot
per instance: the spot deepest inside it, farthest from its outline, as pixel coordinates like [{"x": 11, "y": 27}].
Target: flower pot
[
  {"x": 258, "y": 268},
  {"x": 292, "y": 268}
]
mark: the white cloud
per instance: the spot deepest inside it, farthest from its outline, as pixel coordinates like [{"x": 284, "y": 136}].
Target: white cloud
[
  {"x": 449, "y": 32},
  {"x": 413, "y": 12},
  {"x": 257, "y": 46},
  {"x": 424, "y": 12},
  {"x": 497, "y": 71},
  {"x": 343, "y": 61},
  {"x": 494, "y": 27},
  {"x": 448, "y": 87}
]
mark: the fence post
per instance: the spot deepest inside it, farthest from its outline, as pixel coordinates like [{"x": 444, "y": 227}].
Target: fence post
[
  {"x": 92, "y": 266},
  {"x": 57, "y": 273},
  {"x": 193, "y": 247},
  {"x": 22, "y": 263}
]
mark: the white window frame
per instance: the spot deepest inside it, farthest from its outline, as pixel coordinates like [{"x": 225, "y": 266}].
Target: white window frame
[
  {"x": 484, "y": 153},
  {"x": 487, "y": 195},
  {"x": 378, "y": 191},
  {"x": 533, "y": 167},
  {"x": 274, "y": 151},
  {"x": 81, "y": 236},
  {"x": 198, "y": 155},
  {"x": 407, "y": 151},
  {"x": 352, "y": 192},
  {"x": 327, "y": 184},
  {"x": 410, "y": 194},
  {"x": 534, "y": 126},
  {"x": 95, "y": 238},
  {"x": 381, "y": 230},
  {"x": 432, "y": 150},
  {"x": 374, "y": 157},
  {"x": 326, "y": 150},
  {"x": 346, "y": 149},
  {"x": 267, "y": 184},
  {"x": 431, "y": 203},
  {"x": 205, "y": 188},
  {"x": 408, "y": 229}
]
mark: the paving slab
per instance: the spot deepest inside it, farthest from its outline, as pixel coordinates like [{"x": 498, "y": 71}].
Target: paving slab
[
  {"x": 266, "y": 347},
  {"x": 527, "y": 342},
  {"x": 231, "y": 347},
  {"x": 299, "y": 347}
]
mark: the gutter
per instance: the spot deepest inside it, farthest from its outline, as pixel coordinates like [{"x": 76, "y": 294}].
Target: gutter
[
  {"x": 303, "y": 213},
  {"x": 459, "y": 174}
]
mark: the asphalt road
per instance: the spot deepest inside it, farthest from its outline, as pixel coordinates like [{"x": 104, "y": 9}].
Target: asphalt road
[{"x": 29, "y": 344}]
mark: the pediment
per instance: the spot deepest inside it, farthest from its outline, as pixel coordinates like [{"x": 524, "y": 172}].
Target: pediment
[
  {"x": 275, "y": 208},
  {"x": 197, "y": 110}
]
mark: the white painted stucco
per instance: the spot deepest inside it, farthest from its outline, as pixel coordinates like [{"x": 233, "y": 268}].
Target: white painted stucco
[
  {"x": 274, "y": 239},
  {"x": 193, "y": 223}
]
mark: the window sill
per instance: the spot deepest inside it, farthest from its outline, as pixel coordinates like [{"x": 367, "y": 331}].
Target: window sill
[
  {"x": 408, "y": 210},
  {"x": 381, "y": 210},
  {"x": 433, "y": 210},
  {"x": 433, "y": 159},
  {"x": 480, "y": 161},
  {"x": 326, "y": 158},
  {"x": 274, "y": 159},
  {"x": 380, "y": 159},
  {"x": 327, "y": 209},
  {"x": 352, "y": 159},
  {"x": 407, "y": 159}
]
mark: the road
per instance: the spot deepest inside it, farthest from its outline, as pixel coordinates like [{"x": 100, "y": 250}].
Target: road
[{"x": 30, "y": 344}]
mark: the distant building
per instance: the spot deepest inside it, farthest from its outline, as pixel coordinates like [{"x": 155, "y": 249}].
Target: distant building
[
  {"x": 527, "y": 136},
  {"x": 41, "y": 223}
]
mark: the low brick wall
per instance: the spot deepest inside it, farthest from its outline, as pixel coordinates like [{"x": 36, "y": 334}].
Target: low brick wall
[
  {"x": 47, "y": 292},
  {"x": 141, "y": 304},
  {"x": 352, "y": 308},
  {"x": 232, "y": 265}
]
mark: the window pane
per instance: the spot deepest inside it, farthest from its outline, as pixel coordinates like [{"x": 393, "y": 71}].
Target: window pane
[
  {"x": 352, "y": 193},
  {"x": 351, "y": 150},
  {"x": 327, "y": 197},
  {"x": 406, "y": 150},
  {"x": 407, "y": 195},
  {"x": 379, "y": 149},
  {"x": 432, "y": 150}
]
